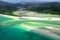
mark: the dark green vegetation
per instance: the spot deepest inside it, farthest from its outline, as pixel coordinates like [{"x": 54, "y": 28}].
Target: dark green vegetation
[
  {"x": 7, "y": 10},
  {"x": 49, "y": 7},
  {"x": 40, "y": 7}
]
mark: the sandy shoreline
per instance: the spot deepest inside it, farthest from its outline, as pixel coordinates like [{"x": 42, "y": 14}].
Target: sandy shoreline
[{"x": 33, "y": 18}]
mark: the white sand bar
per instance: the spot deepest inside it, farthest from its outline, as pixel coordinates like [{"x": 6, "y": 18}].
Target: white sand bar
[{"x": 33, "y": 18}]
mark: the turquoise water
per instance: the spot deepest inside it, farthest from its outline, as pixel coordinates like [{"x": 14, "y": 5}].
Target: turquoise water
[
  {"x": 20, "y": 34},
  {"x": 2, "y": 18},
  {"x": 11, "y": 29}
]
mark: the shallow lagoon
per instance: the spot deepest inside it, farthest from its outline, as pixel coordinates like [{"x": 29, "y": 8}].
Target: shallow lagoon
[{"x": 22, "y": 30}]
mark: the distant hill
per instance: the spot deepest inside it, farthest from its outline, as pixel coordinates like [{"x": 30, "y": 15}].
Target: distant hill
[
  {"x": 45, "y": 7},
  {"x": 2, "y": 3},
  {"x": 21, "y": 4},
  {"x": 48, "y": 7}
]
